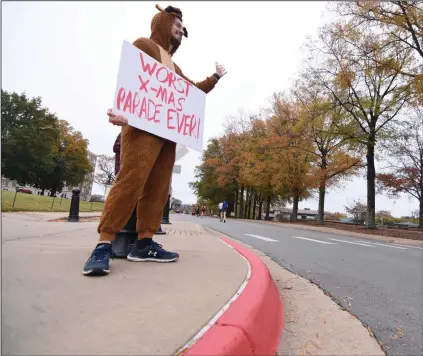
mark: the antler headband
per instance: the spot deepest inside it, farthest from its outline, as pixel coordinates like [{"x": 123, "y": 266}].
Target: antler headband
[{"x": 169, "y": 10}]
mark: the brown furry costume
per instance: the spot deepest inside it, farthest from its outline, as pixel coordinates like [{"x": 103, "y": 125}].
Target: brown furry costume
[{"x": 146, "y": 160}]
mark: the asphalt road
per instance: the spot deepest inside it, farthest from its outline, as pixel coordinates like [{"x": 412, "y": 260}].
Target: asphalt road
[{"x": 380, "y": 283}]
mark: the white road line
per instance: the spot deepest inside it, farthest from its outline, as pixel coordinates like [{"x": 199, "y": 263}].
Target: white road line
[
  {"x": 375, "y": 243},
  {"x": 420, "y": 248},
  {"x": 349, "y": 242},
  {"x": 261, "y": 238},
  {"x": 322, "y": 242}
]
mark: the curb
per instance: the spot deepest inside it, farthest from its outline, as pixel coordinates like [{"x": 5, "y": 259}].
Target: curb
[{"x": 252, "y": 323}]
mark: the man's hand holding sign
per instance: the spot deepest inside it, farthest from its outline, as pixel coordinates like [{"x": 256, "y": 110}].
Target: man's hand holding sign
[{"x": 157, "y": 107}]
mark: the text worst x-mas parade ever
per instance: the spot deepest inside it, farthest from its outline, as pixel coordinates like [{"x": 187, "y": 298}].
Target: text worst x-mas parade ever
[{"x": 155, "y": 99}]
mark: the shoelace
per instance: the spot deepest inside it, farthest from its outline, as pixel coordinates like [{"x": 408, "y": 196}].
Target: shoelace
[
  {"x": 100, "y": 254},
  {"x": 157, "y": 245}
]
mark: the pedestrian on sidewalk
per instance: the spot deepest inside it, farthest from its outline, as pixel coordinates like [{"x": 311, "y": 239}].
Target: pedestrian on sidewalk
[
  {"x": 203, "y": 210},
  {"x": 220, "y": 211},
  {"x": 146, "y": 161},
  {"x": 224, "y": 209}
]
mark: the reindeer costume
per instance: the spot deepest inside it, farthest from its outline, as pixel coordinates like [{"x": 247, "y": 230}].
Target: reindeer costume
[{"x": 146, "y": 160}]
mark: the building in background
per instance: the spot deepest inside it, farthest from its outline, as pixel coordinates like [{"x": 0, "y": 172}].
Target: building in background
[{"x": 86, "y": 186}]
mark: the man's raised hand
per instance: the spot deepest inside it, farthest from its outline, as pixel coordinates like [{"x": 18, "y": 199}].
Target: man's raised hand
[
  {"x": 220, "y": 70},
  {"x": 116, "y": 119}
]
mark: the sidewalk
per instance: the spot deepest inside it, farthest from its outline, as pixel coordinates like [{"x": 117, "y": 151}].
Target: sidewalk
[{"x": 50, "y": 308}]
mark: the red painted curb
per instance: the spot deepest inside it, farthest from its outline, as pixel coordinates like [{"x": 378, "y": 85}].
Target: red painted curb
[{"x": 253, "y": 322}]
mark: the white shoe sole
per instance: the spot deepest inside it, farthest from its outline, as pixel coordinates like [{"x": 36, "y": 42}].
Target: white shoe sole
[
  {"x": 137, "y": 259},
  {"x": 96, "y": 272}
]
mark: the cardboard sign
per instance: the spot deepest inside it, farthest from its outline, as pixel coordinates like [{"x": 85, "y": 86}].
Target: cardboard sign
[{"x": 155, "y": 99}]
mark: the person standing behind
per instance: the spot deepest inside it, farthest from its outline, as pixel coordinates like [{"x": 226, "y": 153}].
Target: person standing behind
[
  {"x": 220, "y": 211},
  {"x": 203, "y": 210},
  {"x": 224, "y": 208}
]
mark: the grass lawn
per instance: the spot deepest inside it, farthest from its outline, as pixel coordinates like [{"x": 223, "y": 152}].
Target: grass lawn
[{"x": 33, "y": 202}]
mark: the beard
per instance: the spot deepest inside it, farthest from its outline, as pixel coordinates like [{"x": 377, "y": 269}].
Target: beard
[{"x": 175, "y": 44}]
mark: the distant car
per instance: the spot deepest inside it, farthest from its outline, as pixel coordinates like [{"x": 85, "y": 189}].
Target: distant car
[{"x": 24, "y": 190}]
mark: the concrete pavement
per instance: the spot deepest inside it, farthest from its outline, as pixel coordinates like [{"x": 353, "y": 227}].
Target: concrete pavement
[{"x": 50, "y": 308}]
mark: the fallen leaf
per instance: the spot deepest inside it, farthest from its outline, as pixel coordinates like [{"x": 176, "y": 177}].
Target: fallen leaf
[
  {"x": 349, "y": 304},
  {"x": 324, "y": 320},
  {"x": 287, "y": 288},
  {"x": 308, "y": 350},
  {"x": 316, "y": 343},
  {"x": 370, "y": 331},
  {"x": 388, "y": 347}
]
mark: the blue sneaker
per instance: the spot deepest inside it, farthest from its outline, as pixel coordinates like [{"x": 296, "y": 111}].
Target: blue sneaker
[
  {"x": 153, "y": 253},
  {"x": 98, "y": 263}
]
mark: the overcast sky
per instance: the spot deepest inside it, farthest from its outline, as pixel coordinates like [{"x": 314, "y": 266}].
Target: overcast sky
[{"x": 68, "y": 53}]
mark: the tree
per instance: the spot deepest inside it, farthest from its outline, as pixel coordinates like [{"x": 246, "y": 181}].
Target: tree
[
  {"x": 207, "y": 186},
  {"x": 400, "y": 21},
  {"x": 176, "y": 204},
  {"x": 337, "y": 157},
  {"x": 399, "y": 27},
  {"x": 28, "y": 134},
  {"x": 358, "y": 210},
  {"x": 290, "y": 151},
  {"x": 370, "y": 93},
  {"x": 404, "y": 153},
  {"x": 384, "y": 217},
  {"x": 105, "y": 175},
  {"x": 71, "y": 163}
]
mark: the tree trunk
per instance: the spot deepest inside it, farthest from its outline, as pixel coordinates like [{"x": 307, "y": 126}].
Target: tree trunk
[
  {"x": 322, "y": 191},
  {"x": 371, "y": 176},
  {"x": 236, "y": 202},
  {"x": 241, "y": 202},
  {"x": 421, "y": 212},
  {"x": 249, "y": 204},
  {"x": 42, "y": 191},
  {"x": 254, "y": 206},
  {"x": 246, "y": 203},
  {"x": 321, "y": 210},
  {"x": 294, "y": 213},
  {"x": 269, "y": 199},
  {"x": 260, "y": 213}
]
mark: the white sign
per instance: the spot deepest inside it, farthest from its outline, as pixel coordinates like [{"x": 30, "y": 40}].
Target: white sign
[
  {"x": 181, "y": 151},
  {"x": 155, "y": 99}
]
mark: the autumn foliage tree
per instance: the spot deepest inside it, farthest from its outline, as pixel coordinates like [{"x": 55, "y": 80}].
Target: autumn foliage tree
[
  {"x": 362, "y": 72},
  {"x": 38, "y": 149},
  {"x": 404, "y": 155},
  {"x": 350, "y": 69},
  {"x": 336, "y": 156}
]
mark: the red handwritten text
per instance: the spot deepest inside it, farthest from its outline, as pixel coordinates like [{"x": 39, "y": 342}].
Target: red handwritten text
[
  {"x": 187, "y": 125},
  {"x": 131, "y": 101}
]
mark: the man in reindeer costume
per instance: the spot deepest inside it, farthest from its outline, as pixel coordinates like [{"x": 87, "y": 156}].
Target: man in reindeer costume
[{"x": 146, "y": 161}]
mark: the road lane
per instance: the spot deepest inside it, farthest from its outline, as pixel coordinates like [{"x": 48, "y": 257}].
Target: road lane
[{"x": 380, "y": 284}]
